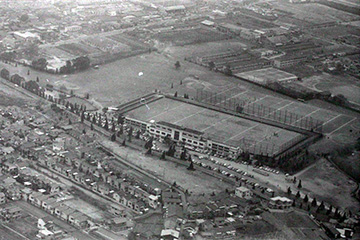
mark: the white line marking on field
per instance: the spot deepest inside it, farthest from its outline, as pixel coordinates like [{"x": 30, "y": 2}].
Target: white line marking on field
[
  {"x": 243, "y": 131},
  {"x": 332, "y": 119},
  {"x": 285, "y": 106},
  {"x": 307, "y": 115},
  {"x": 190, "y": 116},
  {"x": 261, "y": 98},
  {"x": 343, "y": 125},
  {"x": 216, "y": 123}
]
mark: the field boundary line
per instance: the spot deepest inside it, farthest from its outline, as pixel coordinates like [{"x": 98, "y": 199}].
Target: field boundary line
[
  {"x": 9, "y": 228},
  {"x": 332, "y": 119},
  {"x": 343, "y": 125},
  {"x": 243, "y": 131}
]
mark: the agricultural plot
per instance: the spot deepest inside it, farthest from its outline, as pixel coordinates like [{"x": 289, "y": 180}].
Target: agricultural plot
[
  {"x": 87, "y": 209},
  {"x": 74, "y": 49},
  {"x": 189, "y": 36},
  {"x": 315, "y": 13},
  {"x": 106, "y": 44},
  {"x": 251, "y": 22},
  {"x": 134, "y": 44}
]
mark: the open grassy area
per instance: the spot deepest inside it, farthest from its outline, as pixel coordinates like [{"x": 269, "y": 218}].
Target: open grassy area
[{"x": 329, "y": 184}]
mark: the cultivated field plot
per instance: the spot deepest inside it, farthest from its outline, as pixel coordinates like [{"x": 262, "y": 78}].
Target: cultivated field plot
[
  {"x": 220, "y": 127},
  {"x": 6, "y": 234},
  {"x": 189, "y": 36},
  {"x": 86, "y": 208},
  {"x": 25, "y": 225},
  {"x": 267, "y": 75},
  {"x": 237, "y": 61},
  {"x": 75, "y": 49},
  {"x": 134, "y": 44},
  {"x": 333, "y": 32},
  {"x": 315, "y": 13},
  {"x": 106, "y": 44},
  {"x": 251, "y": 22},
  {"x": 55, "y": 51}
]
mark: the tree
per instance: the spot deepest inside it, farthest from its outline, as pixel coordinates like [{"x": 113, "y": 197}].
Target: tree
[
  {"x": 177, "y": 65},
  {"x": 124, "y": 142},
  {"x": 40, "y": 64},
  {"x": 175, "y": 94},
  {"x": 24, "y": 17},
  {"x": 211, "y": 65},
  {"x": 183, "y": 155},
  {"x": 113, "y": 137},
  {"x": 5, "y": 74},
  {"x": 81, "y": 63},
  {"x": 163, "y": 155},
  {"x": 306, "y": 198},
  {"x": 314, "y": 202},
  {"x": 130, "y": 133},
  {"x": 293, "y": 203},
  {"x": 289, "y": 191},
  {"x": 299, "y": 185},
  {"x": 191, "y": 166},
  {"x": 228, "y": 71}
]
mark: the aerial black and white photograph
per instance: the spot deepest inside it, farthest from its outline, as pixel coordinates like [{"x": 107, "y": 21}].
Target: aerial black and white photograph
[{"x": 179, "y": 119}]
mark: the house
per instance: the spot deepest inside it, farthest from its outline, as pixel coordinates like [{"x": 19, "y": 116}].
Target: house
[
  {"x": 118, "y": 224},
  {"x": 169, "y": 234},
  {"x": 280, "y": 203},
  {"x": 117, "y": 210},
  {"x": 2, "y": 198},
  {"x": 331, "y": 231},
  {"x": 243, "y": 192},
  {"x": 78, "y": 219},
  {"x": 153, "y": 201},
  {"x": 170, "y": 197},
  {"x": 13, "y": 212}
]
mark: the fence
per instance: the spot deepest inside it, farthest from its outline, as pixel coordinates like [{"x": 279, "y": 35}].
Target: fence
[{"x": 258, "y": 110}]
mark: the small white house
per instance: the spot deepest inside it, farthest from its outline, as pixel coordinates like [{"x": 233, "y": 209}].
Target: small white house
[{"x": 243, "y": 192}]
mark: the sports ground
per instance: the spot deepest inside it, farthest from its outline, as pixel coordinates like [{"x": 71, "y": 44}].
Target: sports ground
[
  {"x": 267, "y": 75},
  {"x": 333, "y": 122},
  {"x": 218, "y": 126}
]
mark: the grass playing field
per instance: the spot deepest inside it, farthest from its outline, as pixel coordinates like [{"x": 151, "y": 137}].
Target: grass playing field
[{"x": 217, "y": 126}]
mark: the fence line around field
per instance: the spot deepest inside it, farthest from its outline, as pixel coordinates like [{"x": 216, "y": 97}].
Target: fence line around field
[{"x": 254, "y": 109}]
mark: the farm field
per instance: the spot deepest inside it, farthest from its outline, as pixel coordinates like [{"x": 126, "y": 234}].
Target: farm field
[
  {"x": 182, "y": 37},
  {"x": 314, "y": 12},
  {"x": 87, "y": 209}
]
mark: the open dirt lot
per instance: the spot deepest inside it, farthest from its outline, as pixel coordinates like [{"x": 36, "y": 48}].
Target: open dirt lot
[
  {"x": 87, "y": 209},
  {"x": 329, "y": 184},
  {"x": 170, "y": 171}
]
